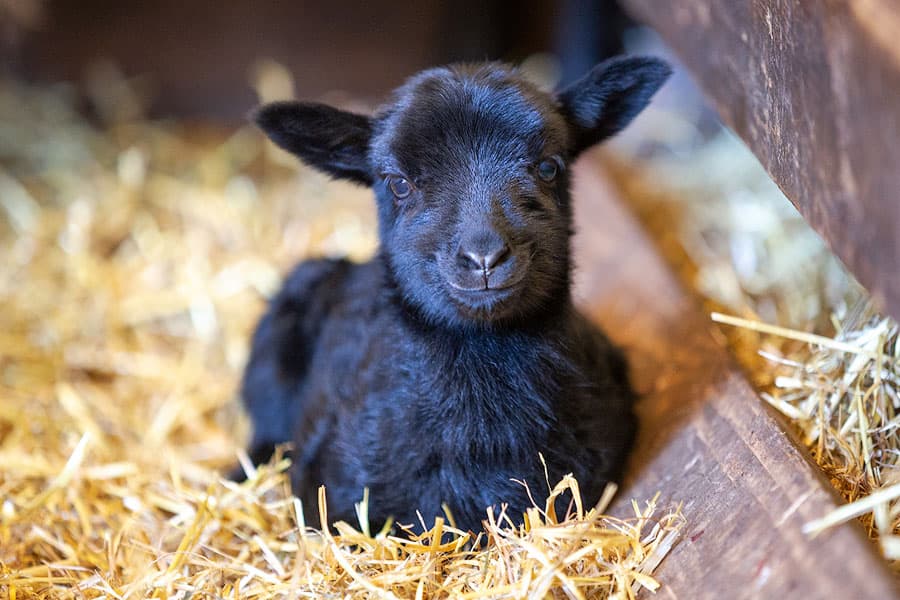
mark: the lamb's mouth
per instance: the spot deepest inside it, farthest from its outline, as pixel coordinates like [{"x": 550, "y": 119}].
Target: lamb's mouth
[
  {"x": 489, "y": 282},
  {"x": 488, "y": 286},
  {"x": 486, "y": 302}
]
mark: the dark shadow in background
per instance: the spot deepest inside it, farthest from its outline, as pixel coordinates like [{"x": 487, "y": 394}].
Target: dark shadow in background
[{"x": 197, "y": 55}]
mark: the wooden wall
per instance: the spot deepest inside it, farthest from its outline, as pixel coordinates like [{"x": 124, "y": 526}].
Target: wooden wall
[{"x": 814, "y": 89}]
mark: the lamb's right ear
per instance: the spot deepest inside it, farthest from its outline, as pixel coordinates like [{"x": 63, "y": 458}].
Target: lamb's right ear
[{"x": 331, "y": 140}]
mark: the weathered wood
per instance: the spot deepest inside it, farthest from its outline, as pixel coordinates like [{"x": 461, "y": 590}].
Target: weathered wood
[
  {"x": 814, "y": 89},
  {"x": 706, "y": 439}
]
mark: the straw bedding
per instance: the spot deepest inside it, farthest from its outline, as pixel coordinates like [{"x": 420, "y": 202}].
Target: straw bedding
[{"x": 136, "y": 257}]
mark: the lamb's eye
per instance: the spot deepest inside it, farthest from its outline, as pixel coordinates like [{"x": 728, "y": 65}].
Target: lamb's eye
[
  {"x": 548, "y": 169},
  {"x": 400, "y": 186}
]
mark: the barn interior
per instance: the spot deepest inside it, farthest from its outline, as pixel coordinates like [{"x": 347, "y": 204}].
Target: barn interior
[{"x": 738, "y": 241}]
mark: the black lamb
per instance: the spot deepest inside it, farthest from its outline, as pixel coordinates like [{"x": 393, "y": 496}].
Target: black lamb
[{"x": 440, "y": 370}]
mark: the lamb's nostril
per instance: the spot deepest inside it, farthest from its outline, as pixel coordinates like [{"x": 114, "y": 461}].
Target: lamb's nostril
[
  {"x": 495, "y": 258},
  {"x": 485, "y": 261}
]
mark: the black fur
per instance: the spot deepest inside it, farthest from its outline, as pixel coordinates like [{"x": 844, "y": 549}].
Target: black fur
[{"x": 438, "y": 371}]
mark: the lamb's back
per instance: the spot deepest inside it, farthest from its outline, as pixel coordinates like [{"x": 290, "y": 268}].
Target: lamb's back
[{"x": 315, "y": 298}]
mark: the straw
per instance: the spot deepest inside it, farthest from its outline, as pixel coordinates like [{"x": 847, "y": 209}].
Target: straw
[{"x": 137, "y": 257}]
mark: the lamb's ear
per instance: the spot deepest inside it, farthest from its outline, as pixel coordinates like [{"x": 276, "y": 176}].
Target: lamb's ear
[
  {"x": 331, "y": 140},
  {"x": 604, "y": 101}
]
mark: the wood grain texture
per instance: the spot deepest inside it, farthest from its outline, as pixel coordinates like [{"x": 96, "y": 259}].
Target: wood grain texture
[
  {"x": 814, "y": 89},
  {"x": 706, "y": 439}
]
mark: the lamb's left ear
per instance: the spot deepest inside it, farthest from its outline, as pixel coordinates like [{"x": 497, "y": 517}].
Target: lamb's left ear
[
  {"x": 331, "y": 140},
  {"x": 604, "y": 101}
]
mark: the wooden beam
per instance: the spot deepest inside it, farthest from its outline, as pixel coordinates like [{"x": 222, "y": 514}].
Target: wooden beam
[
  {"x": 706, "y": 439},
  {"x": 814, "y": 89}
]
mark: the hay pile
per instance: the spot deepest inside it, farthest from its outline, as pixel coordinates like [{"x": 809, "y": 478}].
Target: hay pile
[
  {"x": 136, "y": 257},
  {"x": 805, "y": 331}
]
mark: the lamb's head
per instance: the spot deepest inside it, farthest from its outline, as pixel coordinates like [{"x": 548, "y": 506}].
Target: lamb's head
[{"x": 470, "y": 170}]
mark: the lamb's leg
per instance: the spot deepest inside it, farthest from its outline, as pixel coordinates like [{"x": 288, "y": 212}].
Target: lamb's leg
[{"x": 282, "y": 348}]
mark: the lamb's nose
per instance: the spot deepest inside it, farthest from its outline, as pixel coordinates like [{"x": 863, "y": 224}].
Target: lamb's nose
[
  {"x": 484, "y": 256},
  {"x": 488, "y": 261}
]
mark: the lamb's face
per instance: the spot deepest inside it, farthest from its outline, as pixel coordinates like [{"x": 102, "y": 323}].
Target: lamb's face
[
  {"x": 470, "y": 174},
  {"x": 469, "y": 165}
]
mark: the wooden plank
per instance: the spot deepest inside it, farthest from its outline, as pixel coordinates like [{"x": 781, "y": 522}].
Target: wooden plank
[
  {"x": 813, "y": 88},
  {"x": 706, "y": 439}
]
